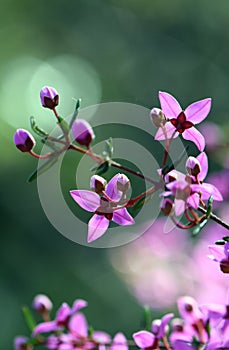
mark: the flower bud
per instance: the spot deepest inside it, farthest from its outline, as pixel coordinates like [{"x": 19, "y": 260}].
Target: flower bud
[
  {"x": 193, "y": 166},
  {"x": 158, "y": 117},
  {"x": 97, "y": 184},
  {"x": 42, "y": 303},
  {"x": 23, "y": 140},
  {"x": 49, "y": 97},
  {"x": 123, "y": 183},
  {"x": 20, "y": 343},
  {"x": 166, "y": 206},
  {"x": 82, "y": 132}
]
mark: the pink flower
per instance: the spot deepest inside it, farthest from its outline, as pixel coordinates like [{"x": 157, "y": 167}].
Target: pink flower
[
  {"x": 220, "y": 253},
  {"x": 145, "y": 339},
  {"x": 62, "y": 317},
  {"x": 119, "y": 342},
  {"x": 182, "y": 122},
  {"x": 104, "y": 209}
]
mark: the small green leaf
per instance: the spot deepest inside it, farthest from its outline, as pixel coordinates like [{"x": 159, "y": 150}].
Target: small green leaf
[
  {"x": 147, "y": 318},
  {"x": 209, "y": 208},
  {"x": 102, "y": 168},
  {"x": 44, "y": 167},
  {"x": 36, "y": 128},
  {"x": 226, "y": 238},
  {"x": 28, "y": 318},
  {"x": 64, "y": 125},
  {"x": 109, "y": 149},
  {"x": 199, "y": 227},
  {"x": 76, "y": 111}
]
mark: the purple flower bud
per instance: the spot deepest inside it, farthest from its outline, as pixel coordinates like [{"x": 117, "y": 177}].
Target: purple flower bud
[
  {"x": 23, "y": 140},
  {"x": 97, "y": 184},
  {"x": 20, "y": 343},
  {"x": 158, "y": 117},
  {"x": 166, "y": 206},
  {"x": 123, "y": 183},
  {"x": 42, "y": 303},
  {"x": 193, "y": 166},
  {"x": 49, "y": 97},
  {"x": 82, "y": 132}
]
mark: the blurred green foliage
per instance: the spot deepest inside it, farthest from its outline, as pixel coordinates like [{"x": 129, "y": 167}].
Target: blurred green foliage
[{"x": 126, "y": 51}]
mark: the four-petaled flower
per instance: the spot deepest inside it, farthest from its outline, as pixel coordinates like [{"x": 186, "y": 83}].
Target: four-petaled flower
[
  {"x": 105, "y": 208},
  {"x": 182, "y": 122}
]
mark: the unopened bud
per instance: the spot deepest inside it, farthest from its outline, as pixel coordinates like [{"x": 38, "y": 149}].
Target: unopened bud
[
  {"x": 171, "y": 176},
  {"x": 177, "y": 325},
  {"x": 82, "y": 132},
  {"x": 158, "y": 117},
  {"x": 42, "y": 303},
  {"x": 193, "y": 166},
  {"x": 166, "y": 206},
  {"x": 156, "y": 324},
  {"x": 49, "y": 97},
  {"x": 23, "y": 140},
  {"x": 98, "y": 184},
  {"x": 123, "y": 183},
  {"x": 20, "y": 343}
]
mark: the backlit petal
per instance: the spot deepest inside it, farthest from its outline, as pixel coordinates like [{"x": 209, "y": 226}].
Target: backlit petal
[
  {"x": 198, "y": 111},
  {"x": 112, "y": 189},
  {"x": 78, "y": 326},
  {"x": 169, "y": 105},
  {"x": 87, "y": 200},
  {"x": 144, "y": 339},
  {"x": 97, "y": 226},
  {"x": 122, "y": 217},
  {"x": 119, "y": 342},
  {"x": 195, "y": 136},
  {"x": 203, "y": 159},
  {"x": 217, "y": 251}
]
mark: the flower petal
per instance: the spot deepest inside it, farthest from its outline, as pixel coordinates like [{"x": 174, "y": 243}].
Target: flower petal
[
  {"x": 169, "y": 132},
  {"x": 169, "y": 105},
  {"x": 164, "y": 322},
  {"x": 101, "y": 337},
  {"x": 119, "y": 342},
  {"x": 87, "y": 200},
  {"x": 203, "y": 159},
  {"x": 122, "y": 217},
  {"x": 144, "y": 339},
  {"x": 112, "y": 189},
  {"x": 195, "y": 136},
  {"x": 194, "y": 200},
  {"x": 179, "y": 206},
  {"x": 217, "y": 251},
  {"x": 97, "y": 226},
  {"x": 46, "y": 327},
  {"x": 63, "y": 313},
  {"x": 181, "y": 345},
  {"x": 207, "y": 190},
  {"x": 78, "y": 305},
  {"x": 198, "y": 111},
  {"x": 78, "y": 325}
]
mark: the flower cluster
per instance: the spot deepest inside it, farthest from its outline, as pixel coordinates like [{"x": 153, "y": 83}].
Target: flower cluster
[{"x": 200, "y": 326}]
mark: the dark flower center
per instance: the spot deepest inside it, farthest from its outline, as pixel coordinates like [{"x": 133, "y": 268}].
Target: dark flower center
[{"x": 180, "y": 123}]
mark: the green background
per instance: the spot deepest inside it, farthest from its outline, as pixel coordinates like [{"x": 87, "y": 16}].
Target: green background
[{"x": 108, "y": 50}]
